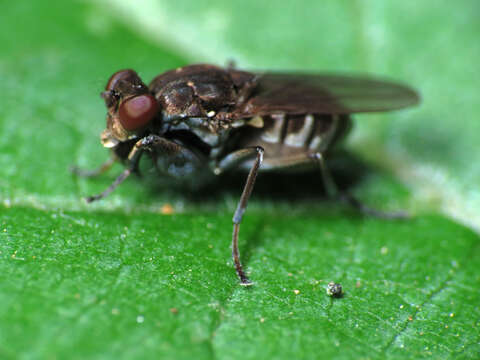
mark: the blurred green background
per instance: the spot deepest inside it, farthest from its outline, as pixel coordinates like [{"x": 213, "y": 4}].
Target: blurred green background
[{"x": 119, "y": 279}]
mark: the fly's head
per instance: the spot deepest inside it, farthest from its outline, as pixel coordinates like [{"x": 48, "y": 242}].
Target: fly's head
[{"x": 131, "y": 108}]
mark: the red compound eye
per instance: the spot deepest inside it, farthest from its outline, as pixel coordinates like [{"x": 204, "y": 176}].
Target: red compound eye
[{"x": 136, "y": 112}]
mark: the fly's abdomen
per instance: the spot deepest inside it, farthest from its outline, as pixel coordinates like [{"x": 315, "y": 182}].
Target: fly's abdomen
[{"x": 288, "y": 140}]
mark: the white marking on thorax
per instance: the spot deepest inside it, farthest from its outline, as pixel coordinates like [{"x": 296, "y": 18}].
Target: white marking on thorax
[{"x": 299, "y": 139}]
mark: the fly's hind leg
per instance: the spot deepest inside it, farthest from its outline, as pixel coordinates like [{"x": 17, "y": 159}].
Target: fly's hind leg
[
  {"x": 332, "y": 190},
  {"x": 228, "y": 162}
]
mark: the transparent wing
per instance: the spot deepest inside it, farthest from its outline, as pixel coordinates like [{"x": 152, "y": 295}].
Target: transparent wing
[{"x": 324, "y": 94}]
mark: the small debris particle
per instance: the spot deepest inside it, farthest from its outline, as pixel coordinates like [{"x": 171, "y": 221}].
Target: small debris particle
[
  {"x": 5, "y": 230},
  {"x": 401, "y": 306},
  {"x": 290, "y": 274},
  {"x": 334, "y": 289},
  {"x": 446, "y": 326},
  {"x": 211, "y": 114},
  {"x": 76, "y": 296},
  {"x": 115, "y": 311},
  {"x": 210, "y": 246},
  {"x": 296, "y": 291},
  {"x": 451, "y": 315},
  {"x": 384, "y": 250},
  {"x": 167, "y": 209},
  {"x": 262, "y": 320},
  {"x": 358, "y": 284},
  {"x": 140, "y": 319},
  {"x": 174, "y": 310},
  {"x": 410, "y": 318},
  {"x": 421, "y": 333}
]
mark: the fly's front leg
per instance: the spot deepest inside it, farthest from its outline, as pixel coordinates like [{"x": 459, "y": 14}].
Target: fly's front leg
[
  {"x": 332, "y": 190},
  {"x": 95, "y": 172},
  {"x": 145, "y": 144},
  {"x": 230, "y": 161}
]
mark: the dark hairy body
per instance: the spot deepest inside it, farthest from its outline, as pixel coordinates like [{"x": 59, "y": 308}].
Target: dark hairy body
[{"x": 200, "y": 121}]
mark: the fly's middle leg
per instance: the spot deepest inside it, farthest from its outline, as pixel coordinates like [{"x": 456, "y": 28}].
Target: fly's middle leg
[{"x": 230, "y": 160}]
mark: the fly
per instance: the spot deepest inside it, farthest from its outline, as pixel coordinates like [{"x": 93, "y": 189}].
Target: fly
[{"x": 199, "y": 121}]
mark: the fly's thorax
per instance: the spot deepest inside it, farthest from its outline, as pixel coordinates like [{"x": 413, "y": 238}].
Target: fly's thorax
[{"x": 194, "y": 91}]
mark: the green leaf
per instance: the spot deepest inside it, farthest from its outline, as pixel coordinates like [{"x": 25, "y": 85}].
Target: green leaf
[{"x": 120, "y": 279}]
